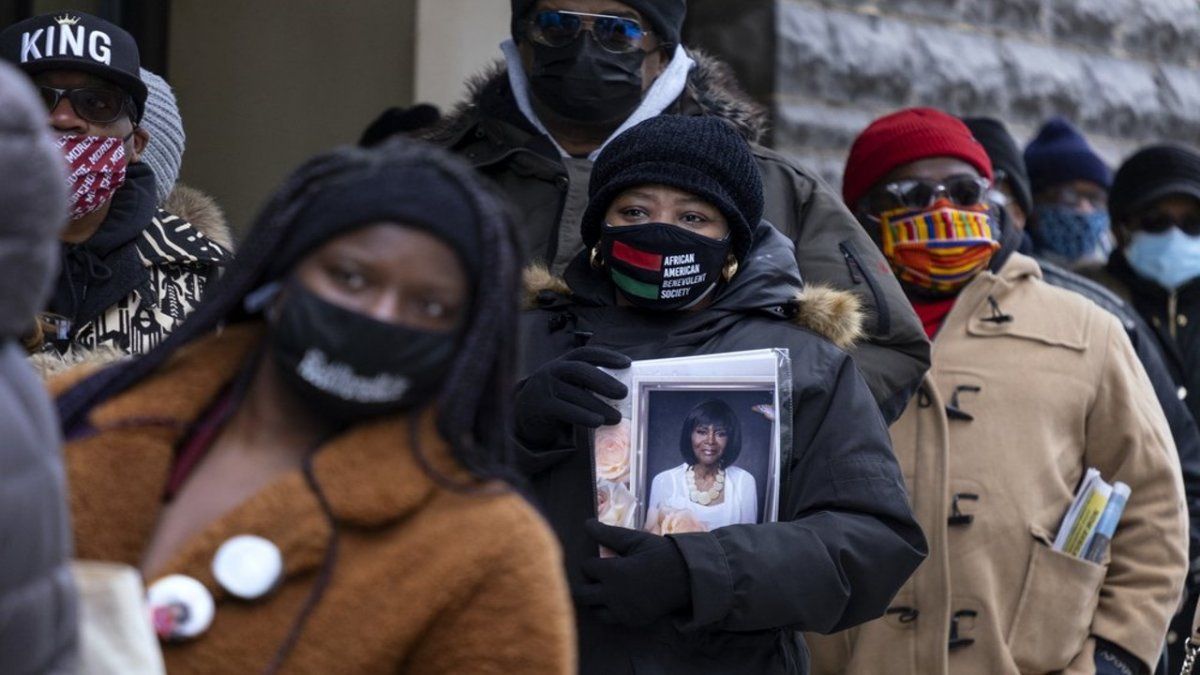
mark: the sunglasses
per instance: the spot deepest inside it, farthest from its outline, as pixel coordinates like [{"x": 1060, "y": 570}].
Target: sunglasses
[
  {"x": 1157, "y": 223},
  {"x": 561, "y": 28},
  {"x": 921, "y": 194},
  {"x": 94, "y": 104}
]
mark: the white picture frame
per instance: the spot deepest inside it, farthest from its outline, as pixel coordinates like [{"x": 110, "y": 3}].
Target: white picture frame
[{"x": 651, "y": 444}]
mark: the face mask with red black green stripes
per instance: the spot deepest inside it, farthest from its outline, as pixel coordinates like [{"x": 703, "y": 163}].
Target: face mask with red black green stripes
[{"x": 661, "y": 266}]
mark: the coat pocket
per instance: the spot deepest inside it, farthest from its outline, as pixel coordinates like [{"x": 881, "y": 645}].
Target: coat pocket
[{"x": 1054, "y": 615}]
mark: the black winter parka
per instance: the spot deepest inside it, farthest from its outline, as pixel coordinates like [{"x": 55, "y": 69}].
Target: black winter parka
[{"x": 847, "y": 539}]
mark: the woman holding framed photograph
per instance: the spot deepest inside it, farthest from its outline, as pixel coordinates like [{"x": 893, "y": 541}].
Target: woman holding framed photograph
[
  {"x": 679, "y": 263},
  {"x": 309, "y": 473},
  {"x": 707, "y": 486}
]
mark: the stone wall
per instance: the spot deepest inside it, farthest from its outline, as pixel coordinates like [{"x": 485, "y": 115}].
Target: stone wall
[{"x": 1126, "y": 71}]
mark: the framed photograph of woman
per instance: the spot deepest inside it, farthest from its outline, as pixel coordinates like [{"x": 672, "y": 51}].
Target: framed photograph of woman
[{"x": 698, "y": 447}]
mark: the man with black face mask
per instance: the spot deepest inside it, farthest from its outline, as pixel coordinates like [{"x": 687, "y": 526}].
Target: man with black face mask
[{"x": 577, "y": 73}]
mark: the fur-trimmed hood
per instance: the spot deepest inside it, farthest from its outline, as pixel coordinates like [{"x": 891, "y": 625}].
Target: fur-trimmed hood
[
  {"x": 712, "y": 89},
  {"x": 768, "y": 285}
]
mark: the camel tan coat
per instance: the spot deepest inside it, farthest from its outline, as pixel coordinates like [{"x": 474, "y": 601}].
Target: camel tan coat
[
  {"x": 427, "y": 579},
  {"x": 1048, "y": 393}
]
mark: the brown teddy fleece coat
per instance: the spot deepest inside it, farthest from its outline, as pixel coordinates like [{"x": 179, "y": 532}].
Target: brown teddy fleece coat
[{"x": 427, "y": 579}]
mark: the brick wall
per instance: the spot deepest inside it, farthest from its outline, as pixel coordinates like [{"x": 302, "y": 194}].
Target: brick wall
[{"x": 1126, "y": 71}]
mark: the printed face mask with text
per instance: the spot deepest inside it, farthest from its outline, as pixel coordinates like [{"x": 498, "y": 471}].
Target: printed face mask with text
[
  {"x": 661, "y": 266},
  {"x": 96, "y": 168}
]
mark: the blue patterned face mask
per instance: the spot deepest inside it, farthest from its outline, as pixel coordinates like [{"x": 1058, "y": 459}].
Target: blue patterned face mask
[
  {"x": 1170, "y": 259},
  {"x": 1070, "y": 236}
]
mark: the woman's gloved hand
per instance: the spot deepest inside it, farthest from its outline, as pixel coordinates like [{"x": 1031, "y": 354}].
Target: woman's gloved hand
[
  {"x": 647, "y": 582},
  {"x": 1112, "y": 660},
  {"x": 563, "y": 393}
]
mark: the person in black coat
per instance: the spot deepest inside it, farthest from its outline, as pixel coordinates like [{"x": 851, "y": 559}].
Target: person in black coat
[
  {"x": 730, "y": 600},
  {"x": 38, "y": 604}
]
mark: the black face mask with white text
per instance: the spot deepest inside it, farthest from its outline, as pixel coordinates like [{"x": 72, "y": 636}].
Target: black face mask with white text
[
  {"x": 661, "y": 266},
  {"x": 349, "y": 367},
  {"x": 586, "y": 83}
]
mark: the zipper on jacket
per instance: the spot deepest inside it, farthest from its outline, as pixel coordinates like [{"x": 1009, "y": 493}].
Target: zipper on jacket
[
  {"x": 859, "y": 274},
  {"x": 852, "y": 265}
]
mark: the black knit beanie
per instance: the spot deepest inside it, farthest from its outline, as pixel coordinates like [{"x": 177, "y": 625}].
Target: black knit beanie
[
  {"x": 1006, "y": 156},
  {"x": 1151, "y": 174},
  {"x": 665, "y": 17},
  {"x": 414, "y": 195},
  {"x": 702, "y": 155}
]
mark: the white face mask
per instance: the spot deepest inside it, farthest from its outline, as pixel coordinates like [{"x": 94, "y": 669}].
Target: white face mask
[{"x": 1170, "y": 259}]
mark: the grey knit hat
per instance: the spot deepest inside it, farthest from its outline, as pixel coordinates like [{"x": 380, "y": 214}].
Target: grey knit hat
[
  {"x": 33, "y": 190},
  {"x": 164, "y": 153}
]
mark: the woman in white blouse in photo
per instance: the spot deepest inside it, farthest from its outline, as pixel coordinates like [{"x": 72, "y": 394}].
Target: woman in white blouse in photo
[{"x": 706, "y": 491}]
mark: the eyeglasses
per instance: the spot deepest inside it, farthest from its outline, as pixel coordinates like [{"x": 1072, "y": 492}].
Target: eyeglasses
[
  {"x": 920, "y": 194},
  {"x": 1075, "y": 198},
  {"x": 561, "y": 28},
  {"x": 94, "y": 104},
  {"x": 1156, "y": 223}
]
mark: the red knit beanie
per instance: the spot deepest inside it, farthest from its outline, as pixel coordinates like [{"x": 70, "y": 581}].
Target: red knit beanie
[{"x": 902, "y": 138}]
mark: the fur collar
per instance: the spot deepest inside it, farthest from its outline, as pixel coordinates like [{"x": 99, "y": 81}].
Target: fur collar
[
  {"x": 712, "y": 89},
  {"x": 833, "y": 314},
  {"x": 201, "y": 211}
]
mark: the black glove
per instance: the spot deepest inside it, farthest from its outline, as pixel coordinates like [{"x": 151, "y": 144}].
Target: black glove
[
  {"x": 399, "y": 121},
  {"x": 563, "y": 392},
  {"x": 647, "y": 582},
  {"x": 1113, "y": 660}
]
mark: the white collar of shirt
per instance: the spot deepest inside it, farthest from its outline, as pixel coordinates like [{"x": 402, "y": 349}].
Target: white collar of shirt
[{"x": 666, "y": 90}]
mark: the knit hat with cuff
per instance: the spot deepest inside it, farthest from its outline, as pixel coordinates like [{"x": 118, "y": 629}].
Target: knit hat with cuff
[
  {"x": 704, "y": 156},
  {"x": 905, "y": 137}
]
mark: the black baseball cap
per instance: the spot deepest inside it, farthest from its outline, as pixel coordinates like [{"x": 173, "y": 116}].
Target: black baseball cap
[{"x": 76, "y": 41}]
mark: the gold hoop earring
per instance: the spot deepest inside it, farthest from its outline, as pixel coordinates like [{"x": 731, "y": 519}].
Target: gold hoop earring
[
  {"x": 597, "y": 262},
  {"x": 731, "y": 269}
]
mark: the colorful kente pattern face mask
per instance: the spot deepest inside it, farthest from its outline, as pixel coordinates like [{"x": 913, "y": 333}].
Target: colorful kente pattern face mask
[{"x": 939, "y": 249}]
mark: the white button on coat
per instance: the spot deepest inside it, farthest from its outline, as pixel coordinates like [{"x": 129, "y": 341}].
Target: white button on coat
[
  {"x": 247, "y": 566},
  {"x": 181, "y": 607}
]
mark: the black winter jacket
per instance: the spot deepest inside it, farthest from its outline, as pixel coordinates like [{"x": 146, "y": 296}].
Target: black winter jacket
[
  {"x": 1175, "y": 318},
  {"x": 829, "y": 245},
  {"x": 846, "y": 540},
  {"x": 1174, "y": 323},
  {"x": 1183, "y": 426}
]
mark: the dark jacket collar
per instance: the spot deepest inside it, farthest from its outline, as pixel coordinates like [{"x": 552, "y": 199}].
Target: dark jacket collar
[
  {"x": 490, "y": 110},
  {"x": 768, "y": 286},
  {"x": 106, "y": 268},
  {"x": 132, "y": 208}
]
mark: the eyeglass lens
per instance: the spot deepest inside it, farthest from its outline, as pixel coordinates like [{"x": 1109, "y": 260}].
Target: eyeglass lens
[
  {"x": 560, "y": 28},
  {"x": 93, "y": 104},
  {"x": 963, "y": 191}
]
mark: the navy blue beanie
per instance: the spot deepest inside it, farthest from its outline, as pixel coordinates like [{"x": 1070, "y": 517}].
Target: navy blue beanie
[
  {"x": 665, "y": 17},
  {"x": 1060, "y": 154},
  {"x": 704, "y": 156}
]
